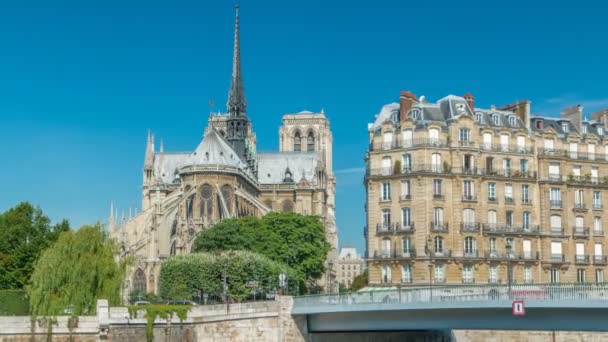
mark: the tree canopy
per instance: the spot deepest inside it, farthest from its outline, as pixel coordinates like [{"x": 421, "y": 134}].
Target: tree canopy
[
  {"x": 185, "y": 275},
  {"x": 295, "y": 239},
  {"x": 24, "y": 233},
  {"x": 74, "y": 272},
  {"x": 360, "y": 281}
]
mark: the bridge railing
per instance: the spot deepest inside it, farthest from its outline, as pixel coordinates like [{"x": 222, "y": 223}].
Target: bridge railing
[{"x": 460, "y": 293}]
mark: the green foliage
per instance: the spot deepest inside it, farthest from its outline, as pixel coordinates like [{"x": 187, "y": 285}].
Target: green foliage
[
  {"x": 183, "y": 276},
  {"x": 360, "y": 281},
  {"x": 74, "y": 272},
  {"x": 14, "y": 303},
  {"x": 298, "y": 240},
  {"x": 154, "y": 311},
  {"x": 24, "y": 233},
  {"x": 397, "y": 167}
]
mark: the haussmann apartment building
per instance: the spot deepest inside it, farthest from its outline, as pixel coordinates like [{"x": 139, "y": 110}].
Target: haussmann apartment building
[{"x": 461, "y": 195}]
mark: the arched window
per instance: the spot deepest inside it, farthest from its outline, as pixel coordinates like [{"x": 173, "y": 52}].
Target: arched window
[
  {"x": 190, "y": 207},
  {"x": 406, "y": 273},
  {"x": 139, "y": 281},
  {"x": 206, "y": 202},
  {"x": 470, "y": 246},
  {"x": 287, "y": 205},
  {"x": 297, "y": 142},
  {"x": 173, "y": 249},
  {"x": 555, "y": 222},
  {"x": 438, "y": 245},
  {"x": 174, "y": 228},
  {"x": 310, "y": 142},
  {"x": 227, "y": 195},
  {"x": 386, "y": 273}
]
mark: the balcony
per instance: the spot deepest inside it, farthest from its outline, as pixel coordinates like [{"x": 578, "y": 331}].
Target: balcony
[
  {"x": 412, "y": 143},
  {"x": 555, "y": 204},
  {"x": 508, "y": 173},
  {"x": 440, "y": 227},
  {"x": 580, "y": 232},
  {"x": 473, "y": 227},
  {"x": 597, "y": 206},
  {"x": 526, "y": 201},
  {"x": 581, "y": 259},
  {"x": 466, "y": 143},
  {"x": 597, "y": 232},
  {"x": 579, "y": 207},
  {"x": 405, "y": 197},
  {"x": 556, "y": 259},
  {"x": 382, "y": 228},
  {"x": 498, "y": 228},
  {"x": 494, "y": 281},
  {"x": 398, "y": 254},
  {"x": 600, "y": 260},
  {"x": 509, "y": 200},
  {"x": 583, "y": 179},
  {"x": 506, "y": 148},
  {"x": 555, "y": 231},
  {"x": 469, "y": 198},
  {"x": 468, "y": 280},
  {"x": 408, "y": 253},
  {"x": 410, "y": 169},
  {"x": 443, "y": 254},
  {"x": 492, "y": 199},
  {"x": 554, "y": 177},
  {"x": 471, "y": 254},
  {"x": 526, "y": 255},
  {"x": 439, "y": 197}
]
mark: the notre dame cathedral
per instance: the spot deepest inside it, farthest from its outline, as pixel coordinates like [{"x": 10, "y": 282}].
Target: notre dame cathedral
[{"x": 224, "y": 177}]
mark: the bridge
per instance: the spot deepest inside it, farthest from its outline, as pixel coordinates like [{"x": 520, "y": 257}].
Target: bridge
[{"x": 565, "y": 307}]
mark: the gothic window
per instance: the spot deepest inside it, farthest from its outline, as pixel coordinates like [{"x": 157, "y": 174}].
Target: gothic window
[
  {"x": 227, "y": 194},
  {"x": 297, "y": 142},
  {"x": 173, "y": 248},
  {"x": 287, "y": 205},
  {"x": 206, "y": 207},
  {"x": 189, "y": 206},
  {"x": 139, "y": 281},
  {"x": 174, "y": 228},
  {"x": 310, "y": 142}
]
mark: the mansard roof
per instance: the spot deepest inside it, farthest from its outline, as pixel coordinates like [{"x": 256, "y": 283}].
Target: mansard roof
[
  {"x": 166, "y": 165},
  {"x": 272, "y": 166}
]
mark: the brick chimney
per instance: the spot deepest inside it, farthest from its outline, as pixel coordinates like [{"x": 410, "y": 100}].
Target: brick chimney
[
  {"x": 470, "y": 100},
  {"x": 521, "y": 108},
  {"x": 601, "y": 116},
  {"x": 406, "y": 101}
]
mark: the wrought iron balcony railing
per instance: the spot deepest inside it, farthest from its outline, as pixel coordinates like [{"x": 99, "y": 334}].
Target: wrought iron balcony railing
[
  {"x": 439, "y": 227},
  {"x": 580, "y": 231},
  {"x": 555, "y": 204},
  {"x": 581, "y": 259},
  {"x": 470, "y": 226},
  {"x": 600, "y": 260}
]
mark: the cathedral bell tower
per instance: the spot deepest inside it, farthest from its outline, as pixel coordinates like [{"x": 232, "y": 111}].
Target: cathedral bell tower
[{"x": 238, "y": 124}]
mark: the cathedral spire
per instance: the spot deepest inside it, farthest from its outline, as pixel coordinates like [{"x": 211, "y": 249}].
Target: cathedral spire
[{"x": 236, "y": 96}]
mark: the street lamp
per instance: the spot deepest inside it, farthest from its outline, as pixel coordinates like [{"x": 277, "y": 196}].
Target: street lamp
[
  {"x": 508, "y": 248},
  {"x": 427, "y": 248}
]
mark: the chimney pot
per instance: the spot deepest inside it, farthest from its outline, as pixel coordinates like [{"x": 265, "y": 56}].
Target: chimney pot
[
  {"x": 406, "y": 101},
  {"x": 470, "y": 100}
]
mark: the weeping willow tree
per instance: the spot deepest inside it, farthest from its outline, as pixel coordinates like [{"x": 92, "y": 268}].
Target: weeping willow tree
[{"x": 74, "y": 272}]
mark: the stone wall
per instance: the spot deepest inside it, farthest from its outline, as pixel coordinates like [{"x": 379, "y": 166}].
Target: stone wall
[{"x": 527, "y": 336}]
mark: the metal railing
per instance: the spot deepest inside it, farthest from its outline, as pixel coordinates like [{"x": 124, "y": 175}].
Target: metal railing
[
  {"x": 502, "y": 228},
  {"x": 411, "y": 143},
  {"x": 450, "y": 295},
  {"x": 394, "y": 227},
  {"x": 580, "y": 231},
  {"x": 439, "y": 227},
  {"x": 581, "y": 259},
  {"x": 395, "y": 254},
  {"x": 555, "y": 204},
  {"x": 470, "y": 226},
  {"x": 600, "y": 259},
  {"x": 506, "y": 148}
]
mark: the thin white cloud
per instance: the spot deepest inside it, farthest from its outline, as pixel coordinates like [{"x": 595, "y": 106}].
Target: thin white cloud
[
  {"x": 350, "y": 170},
  {"x": 554, "y": 106}
]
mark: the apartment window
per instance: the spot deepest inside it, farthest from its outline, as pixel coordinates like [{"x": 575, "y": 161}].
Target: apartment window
[
  {"x": 438, "y": 244},
  {"x": 599, "y": 276},
  {"x": 506, "y": 165},
  {"x": 406, "y": 217},
  {"x": 555, "y": 197},
  {"x": 548, "y": 143},
  {"x": 525, "y": 193},
  {"x": 527, "y": 247},
  {"x": 509, "y": 217},
  {"x": 406, "y": 273},
  {"x": 584, "y": 129},
  {"x": 555, "y": 223},
  {"x": 386, "y": 191},
  {"x": 487, "y": 141},
  {"x": 386, "y": 218},
  {"x": 489, "y": 165},
  {"x": 594, "y": 174},
  {"x": 580, "y": 275},
  {"x": 434, "y": 136},
  {"x": 556, "y": 250},
  {"x": 523, "y": 167},
  {"x": 438, "y": 216},
  {"x": 405, "y": 189},
  {"x": 508, "y": 193},
  {"x": 470, "y": 246},
  {"x": 387, "y": 140},
  {"x": 509, "y": 242},
  {"x": 468, "y": 163},
  {"x": 407, "y": 245},
  {"x": 580, "y": 251},
  {"x": 493, "y": 274},
  {"x": 492, "y": 217},
  {"x": 492, "y": 191},
  {"x": 479, "y": 117},
  {"x": 597, "y": 200},
  {"x": 512, "y": 121},
  {"x": 467, "y": 274},
  {"x": 591, "y": 151},
  {"x": 465, "y": 135},
  {"x": 597, "y": 250},
  {"x": 554, "y": 276},
  {"x": 415, "y": 114},
  {"x": 600, "y": 130},
  {"x": 565, "y": 127},
  {"x": 386, "y": 247},
  {"x": 468, "y": 216},
  {"x": 528, "y": 274},
  {"x": 407, "y": 162},
  {"x": 496, "y": 120},
  {"x": 407, "y": 138},
  {"x": 597, "y": 225},
  {"x": 492, "y": 245},
  {"x": 526, "y": 220},
  {"x": 573, "y": 150},
  {"x": 386, "y": 274},
  {"x": 437, "y": 187},
  {"x": 467, "y": 189},
  {"x": 579, "y": 198},
  {"x": 504, "y": 142},
  {"x": 436, "y": 162},
  {"x": 554, "y": 172},
  {"x": 521, "y": 143},
  {"x": 387, "y": 166},
  {"x": 439, "y": 273}
]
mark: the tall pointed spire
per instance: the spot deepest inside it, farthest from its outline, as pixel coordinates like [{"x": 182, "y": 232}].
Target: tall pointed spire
[{"x": 236, "y": 96}]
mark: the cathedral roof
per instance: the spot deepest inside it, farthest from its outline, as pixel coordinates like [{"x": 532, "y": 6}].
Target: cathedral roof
[
  {"x": 272, "y": 166},
  {"x": 214, "y": 150},
  {"x": 166, "y": 164}
]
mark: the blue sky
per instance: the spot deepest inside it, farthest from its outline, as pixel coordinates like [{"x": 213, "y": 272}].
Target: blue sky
[{"x": 81, "y": 82}]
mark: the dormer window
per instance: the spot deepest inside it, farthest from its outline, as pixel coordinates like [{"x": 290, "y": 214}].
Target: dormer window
[
  {"x": 415, "y": 114},
  {"x": 539, "y": 124},
  {"x": 479, "y": 117},
  {"x": 584, "y": 129},
  {"x": 565, "y": 127},
  {"x": 496, "y": 120},
  {"x": 512, "y": 121},
  {"x": 600, "y": 130}
]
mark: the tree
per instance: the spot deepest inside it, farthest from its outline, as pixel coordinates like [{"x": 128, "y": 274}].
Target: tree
[
  {"x": 74, "y": 272},
  {"x": 24, "y": 233},
  {"x": 184, "y": 275},
  {"x": 360, "y": 281},
  {"x": 295, "y": 239}
]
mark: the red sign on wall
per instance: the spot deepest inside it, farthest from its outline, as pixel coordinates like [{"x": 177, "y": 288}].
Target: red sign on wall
[{"x": 518, "y": 308}]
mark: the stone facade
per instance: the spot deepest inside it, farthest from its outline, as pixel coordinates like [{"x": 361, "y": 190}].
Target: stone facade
[
  {"x": 349, "y": 265},
  {"x": 225, "y": 177},
  {"x": 458, "y": 194}
]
